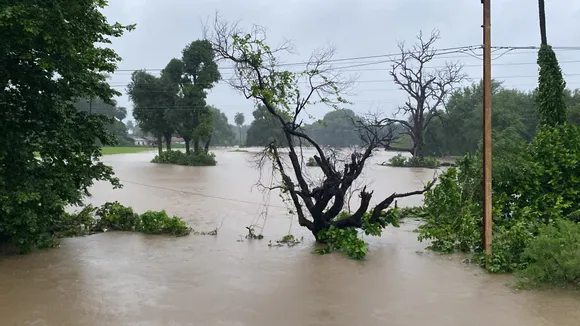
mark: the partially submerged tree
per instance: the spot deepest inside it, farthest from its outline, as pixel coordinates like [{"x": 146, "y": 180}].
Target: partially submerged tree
[
  {"x": 189, "y": 78},
  {"x": 259, "y": 76},
  {"x": 426, "y": 88}
]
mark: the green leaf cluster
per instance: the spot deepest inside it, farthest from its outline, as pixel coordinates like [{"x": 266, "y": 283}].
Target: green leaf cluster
[{"x": 181, "y": 158}]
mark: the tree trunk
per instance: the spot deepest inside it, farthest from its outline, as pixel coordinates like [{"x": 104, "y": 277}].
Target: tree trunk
[
  {"x": 542, "y": 12},
  {"x": 187, "y": 142},
  {"x": 206, "y": 149},
  {"x": 196, "y": 146},
  {"x": 240, "y": 129},
  {"x": 168, "y": 143},
  {"x": 160, "y": 144}
]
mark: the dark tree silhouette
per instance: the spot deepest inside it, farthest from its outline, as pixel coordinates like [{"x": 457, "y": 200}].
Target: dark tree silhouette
[
  {"x": 426, "y": 88},
  {"x": 258, "y": 76}
]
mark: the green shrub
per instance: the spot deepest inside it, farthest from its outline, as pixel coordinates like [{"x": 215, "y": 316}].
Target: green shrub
[
  {"x": 554, "y": 256},
  {"x": 161, "y": 223},
  {"x": 556, "y": 187},
  {"x": 452, "y": 218},
  {"x": 76, "y": 224},
  {"x": 116, "y": 217},
  {"x": 398, "y": 160},
  {"x": 311, "y": 162},
  {"x": 347, "y": 240},
  {"x": 113, "y": 216},
  {"x": 182, "y": 158},
  {"x": 415, "y": 161}
]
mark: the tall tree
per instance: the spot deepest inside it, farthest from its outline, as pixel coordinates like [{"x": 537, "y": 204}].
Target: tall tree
[
  {"x": 151, "y": 98},
  {"x": 48, "y": 59},
  {"x": 222, "y": 134},
  {"x": 426, "y": 88},
  {"x": 239, "y": 119},
  {"x": 282, "y": 96},
  {"x": 550, "y": 94},
  {"x": 190, "y": 78}
]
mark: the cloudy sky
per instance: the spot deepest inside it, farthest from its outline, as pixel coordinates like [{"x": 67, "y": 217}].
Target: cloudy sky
[{"x": 356, "y": 29}]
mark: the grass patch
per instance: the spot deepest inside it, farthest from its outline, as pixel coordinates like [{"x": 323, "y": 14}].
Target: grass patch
[
  {"x": 124, "y": 150},
  {"x": 237, "y": 150}
]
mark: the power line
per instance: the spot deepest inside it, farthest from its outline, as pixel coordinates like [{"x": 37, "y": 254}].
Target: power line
[
  {"x": 459, "y": 51},
  {"x": 202, "y": 195},
  {"x": 444, "y": 51}
]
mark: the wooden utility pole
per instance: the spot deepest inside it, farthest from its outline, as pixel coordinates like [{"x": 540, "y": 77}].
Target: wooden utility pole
[{"x": 487, "y": 203}]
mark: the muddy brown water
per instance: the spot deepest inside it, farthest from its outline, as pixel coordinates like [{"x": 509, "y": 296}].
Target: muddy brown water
[{"x": 133, "y": 279}]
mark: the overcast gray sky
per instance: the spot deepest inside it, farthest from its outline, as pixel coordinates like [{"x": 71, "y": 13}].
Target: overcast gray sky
[{"x": 356, "y": 29}]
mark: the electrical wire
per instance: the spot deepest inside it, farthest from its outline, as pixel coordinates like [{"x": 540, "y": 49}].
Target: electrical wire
[{"x": 201, "y": 194}]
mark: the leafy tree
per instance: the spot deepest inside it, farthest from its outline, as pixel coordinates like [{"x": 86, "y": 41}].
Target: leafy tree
[
  {"x": 49, "y": 59},
  {"x": 336, "y": 129},
  {"x": 551, "y": 88},
  {"x": 239, "y": 119},
  {"x": 222, "y": 134},
  {"x": 151, "y": 98},
  {"x": 264, "y": 129},
  {"x": 111, "y": 110},
  {"x": 189, "y": 78},
  {"x": 283, "y": 99},
  {"x": 427, "y": 89}
]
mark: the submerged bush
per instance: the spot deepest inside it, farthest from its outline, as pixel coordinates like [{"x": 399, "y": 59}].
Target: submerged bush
[
  {"x": 112, "y": 216},
  {"x": 554, "y": 256},
  {"x": 182, "y": 158},
  {"x": 415, "y": 161}
]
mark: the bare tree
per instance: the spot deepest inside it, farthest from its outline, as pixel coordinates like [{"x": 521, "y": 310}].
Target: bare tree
[
  {"x": 258, "y": 76},
  {"x": 426, "y": 88}
]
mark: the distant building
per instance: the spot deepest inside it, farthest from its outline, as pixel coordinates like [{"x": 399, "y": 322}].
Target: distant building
[
  {"x": 139, "y": 141},
  {"x": 177, "y": 140}
]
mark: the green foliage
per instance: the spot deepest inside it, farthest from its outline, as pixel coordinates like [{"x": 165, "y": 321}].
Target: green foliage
[
  {"x": 556, "y": 187},
  {"x": 452, "y": 218},
  {"x": 343, "y": 240},
  {"x": 311, "y": 162},
  {"x": 415, "y": 161},
  {"x": 551, "y": 87},
  {"x": 116, "y": 217},
  {"x": 265, "y": 129},
  {"x": 336, "y": 129},
  {"x": 534, "y": 185},
  {"x": 160, "y": 223},
  {"x": 347, "y": 240},
  {"x": 50, "y": 58},
  {"x": 181, "y": 158},
  {"x": 554, "y": 256},
  {"x": 222, "y": 133}
]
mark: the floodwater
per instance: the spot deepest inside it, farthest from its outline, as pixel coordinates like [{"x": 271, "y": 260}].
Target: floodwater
[{"x": 133, "y": 279}]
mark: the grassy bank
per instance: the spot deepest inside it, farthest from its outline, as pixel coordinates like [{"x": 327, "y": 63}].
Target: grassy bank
[{"x": 125, "y": 150}]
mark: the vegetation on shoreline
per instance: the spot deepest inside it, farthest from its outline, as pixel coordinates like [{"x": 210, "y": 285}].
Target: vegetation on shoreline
[{"x": 535, "y": 204}]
